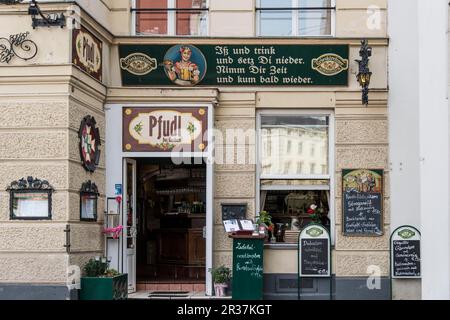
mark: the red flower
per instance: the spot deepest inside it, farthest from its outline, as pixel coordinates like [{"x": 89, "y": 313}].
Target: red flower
[{"x": 310, "y": 211}]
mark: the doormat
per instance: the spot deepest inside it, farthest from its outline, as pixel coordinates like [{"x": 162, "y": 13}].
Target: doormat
[{"x": 169, "y": 294}]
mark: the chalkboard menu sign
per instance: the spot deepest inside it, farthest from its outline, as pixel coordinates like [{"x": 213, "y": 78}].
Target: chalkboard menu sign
[
  {"x": 362, "y": 202},
  {"x": 232, "y": 211},
  {"x": 248, "y": 268},
  {"x": 314, "y": 252},
  {"x": 405, "y": 253}
]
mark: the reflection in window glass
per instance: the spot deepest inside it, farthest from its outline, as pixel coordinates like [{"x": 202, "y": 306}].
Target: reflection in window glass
[
  {"x": 30, "y": 205},
  {"x": 275, "y": 23},
  {"x": 151, "y": 4},
  {"x": 308, "y": 130},
  {"x": 89, "y": 207},
  {"x": 154, "y": 22},
  {"x": 191, "y": 23},
  {"x": 310, "y": 22},
  {"x": 151, "y": 23},
  {"x": 290, "y": 207},
  {"x": 299, "y": 167},
  {"x": 314, "y": 22},
  {"x": 182, "y": 22}
]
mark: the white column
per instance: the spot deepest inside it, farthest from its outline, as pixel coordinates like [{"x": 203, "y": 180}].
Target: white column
[
  {"x": 404, "y": 148},
  {"x": 404, "y": 114},
  {"x": 434, "y": 146}
]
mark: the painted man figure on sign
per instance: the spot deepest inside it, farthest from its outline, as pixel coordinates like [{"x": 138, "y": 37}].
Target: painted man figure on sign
[{"x": 183, "y": 72}]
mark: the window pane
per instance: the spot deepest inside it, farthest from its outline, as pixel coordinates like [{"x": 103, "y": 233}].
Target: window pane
[
  {"x": 274, "y": 183},
  {"x": 293, "y": 121},
  {"x": 187, "y": 4},
  {"x": 290, "y": 207},
  {"x": 154, "y": 22},
  {"x": 315, "y": 3},
  {"x": 151, "y": 23},
  {"x": 315, "y": 22},
  {"x": 34, "y": 205},
  {"x": 308, "y": 131},
  {"x": 275, "y": 3},
  {"x": 275, "y": 23},
  {"x": 192, "y": 23},
  {"x": 88, "y": 207},
  {"x": 151, "y": 4}
]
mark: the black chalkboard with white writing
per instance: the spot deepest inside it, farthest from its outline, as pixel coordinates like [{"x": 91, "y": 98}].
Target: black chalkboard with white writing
[
  {"x": 314, "y": 251},
  {"x": 362, "y": 202},
  {"x": 405, "y": 253},
  {"x": 314, "y": 257},
  {"x": 248, "y": 267}
]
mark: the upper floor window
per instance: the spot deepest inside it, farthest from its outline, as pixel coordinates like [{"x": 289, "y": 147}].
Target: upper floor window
[
  {"x": 171, "y": 17},
  {"x": 295, "y": 17}
]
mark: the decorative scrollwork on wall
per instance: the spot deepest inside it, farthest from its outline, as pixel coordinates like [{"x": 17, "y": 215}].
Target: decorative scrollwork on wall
[
  {"x": 89, "y": 187},
  {"x": 30, "y": 184},
  {"x": 17, "y": 46}
]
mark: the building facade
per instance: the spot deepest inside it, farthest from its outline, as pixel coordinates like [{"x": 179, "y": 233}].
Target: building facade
[{"x": 264, "y": 92}]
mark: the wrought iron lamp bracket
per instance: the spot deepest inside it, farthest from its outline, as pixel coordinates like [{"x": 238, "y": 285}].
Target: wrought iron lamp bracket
[
  {"x": 364, "y": 74},
  {"x": 45, "y": 20}
]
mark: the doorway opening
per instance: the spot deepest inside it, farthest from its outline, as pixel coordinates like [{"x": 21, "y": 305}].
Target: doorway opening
[{"x": 170, "y": 225}]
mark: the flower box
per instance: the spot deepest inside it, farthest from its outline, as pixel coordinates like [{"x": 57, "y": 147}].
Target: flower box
[{"x": 104, "y": 288}]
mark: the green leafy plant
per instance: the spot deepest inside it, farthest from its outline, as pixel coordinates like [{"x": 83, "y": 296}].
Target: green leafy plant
[
  {"x": 220, "y": 274},
  {"x": 111, "y": 273},
  {"x": 265, "y": 219},
  {"x": 99, "y": 267},
  {"x": 191, "y": 128},
  {"x": 138, "y": 128}
]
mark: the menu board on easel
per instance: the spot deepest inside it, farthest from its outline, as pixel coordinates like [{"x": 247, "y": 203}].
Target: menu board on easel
[
  {"x": 405, "y": 253},
  {"x": 362, "y": 202},
  {"x": 314, "y": 252}
]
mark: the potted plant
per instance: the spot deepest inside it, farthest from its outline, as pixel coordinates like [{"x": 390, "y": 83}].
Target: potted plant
[
  {"x": 221, "y": 277},
  {"x": 102, "y": 283},
  {"x": 264, "y": 221}
]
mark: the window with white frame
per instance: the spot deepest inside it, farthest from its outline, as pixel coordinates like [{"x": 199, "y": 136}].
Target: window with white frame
[
  {"x": 171, "y": 17},
  {"x": 295, "y": 17},
  {"x": 287, "y": 191}
]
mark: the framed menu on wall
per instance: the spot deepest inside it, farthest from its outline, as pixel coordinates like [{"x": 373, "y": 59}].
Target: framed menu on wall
[{"x": 362, "y": 202}]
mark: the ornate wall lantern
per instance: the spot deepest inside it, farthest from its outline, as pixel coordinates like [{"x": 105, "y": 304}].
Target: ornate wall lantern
[
  {"x": 88, "y": 201},
  {"x": 45, "y": 20},
  {"x": 364, "y": 73},
  {"x": 30, "y": 199}
]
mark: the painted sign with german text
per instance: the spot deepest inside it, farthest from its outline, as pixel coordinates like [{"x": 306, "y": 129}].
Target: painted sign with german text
[
  {"x": 87, "y": 52},
  {"x": 165, "y": 129},
  {"x": 234, "y": 65}
]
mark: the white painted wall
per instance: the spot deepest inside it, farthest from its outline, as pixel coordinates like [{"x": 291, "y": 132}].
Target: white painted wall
[
  {"x": 113, "y": 145},
  {"x": 404, "y": 114},
  {"x": 419, "y": 136},
  {"x": 434, "y": 147}
]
